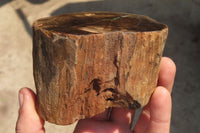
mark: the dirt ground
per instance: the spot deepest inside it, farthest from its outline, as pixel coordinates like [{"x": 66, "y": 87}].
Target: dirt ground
[{"x": 183, "y": 46}]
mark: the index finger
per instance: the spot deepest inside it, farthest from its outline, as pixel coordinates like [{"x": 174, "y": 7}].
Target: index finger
[
  {"x": 167, "y": 73},
  {"x": 166, "y": 79}
]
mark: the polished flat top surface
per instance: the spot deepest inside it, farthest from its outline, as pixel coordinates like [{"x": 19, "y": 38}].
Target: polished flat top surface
[{"x": 98, "y": 22}]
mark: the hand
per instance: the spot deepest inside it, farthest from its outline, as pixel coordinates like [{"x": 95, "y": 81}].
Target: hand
[{"x": 155, "y": 117}]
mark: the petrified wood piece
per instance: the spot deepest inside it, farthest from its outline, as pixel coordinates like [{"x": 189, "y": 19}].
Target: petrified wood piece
[{"x": 86, "y": 62}]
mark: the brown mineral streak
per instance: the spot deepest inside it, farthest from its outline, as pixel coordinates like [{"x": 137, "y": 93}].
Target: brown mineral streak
[{"x": 82, "y": 70}]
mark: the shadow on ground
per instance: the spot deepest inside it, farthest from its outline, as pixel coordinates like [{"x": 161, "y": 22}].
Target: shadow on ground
[
  {"x": 104, "y": 5},
  {"x": 37, "y": 1},
  {"x": 2, "y": 2},
  {"x": 27, "y": 26},
  {"x": 22, "y": 16}
]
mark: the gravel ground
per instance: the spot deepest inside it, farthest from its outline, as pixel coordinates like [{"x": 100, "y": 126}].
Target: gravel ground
[{"x": 183, "y": 46}]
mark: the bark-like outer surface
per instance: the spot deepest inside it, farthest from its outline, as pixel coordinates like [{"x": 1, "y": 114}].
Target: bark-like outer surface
[{"x": 79, "y": 73}]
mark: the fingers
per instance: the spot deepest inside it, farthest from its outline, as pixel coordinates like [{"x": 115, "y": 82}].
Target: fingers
[
  {"x": 28, "y": 120},
  {"x": 166, "y": 79},
  {"x": 119, "y": 116},
  {"x": 102, "y": 116},
  {"x": 167, "y": 73},
  {"x": 156, "y": 119},
  {"x": 122, "y": 116},
  {"x": 93, "y": 126},
  {"x": 160, "y": 111}
]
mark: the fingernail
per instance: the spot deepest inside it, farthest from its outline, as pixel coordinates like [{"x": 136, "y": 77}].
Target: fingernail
[{"x": 21, "y": 98}]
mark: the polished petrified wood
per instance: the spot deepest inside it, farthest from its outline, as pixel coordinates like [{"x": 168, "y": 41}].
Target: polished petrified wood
[{"x": 86, "y": 62}]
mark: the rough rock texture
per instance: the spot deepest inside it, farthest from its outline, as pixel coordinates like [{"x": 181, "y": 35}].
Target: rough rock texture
[{"x": 86, "y": 62}]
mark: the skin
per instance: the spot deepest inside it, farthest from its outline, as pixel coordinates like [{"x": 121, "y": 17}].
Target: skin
[{"x": 155, "y": 117}]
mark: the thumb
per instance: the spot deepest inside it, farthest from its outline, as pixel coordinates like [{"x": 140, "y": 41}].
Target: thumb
[{"x": 28, "y": 120}]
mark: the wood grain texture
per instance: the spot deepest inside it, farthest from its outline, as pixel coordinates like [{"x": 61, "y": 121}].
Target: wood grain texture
[{"x": 87, "y": 62}]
